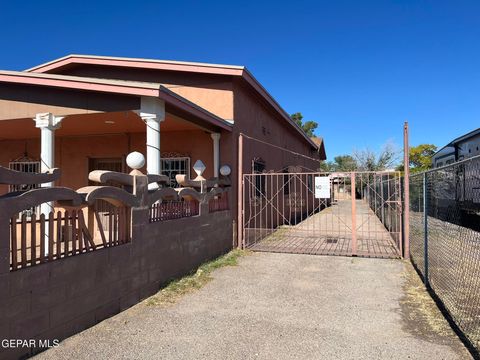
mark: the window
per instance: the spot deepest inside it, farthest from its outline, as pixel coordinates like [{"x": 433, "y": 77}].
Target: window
[
  {"x": 258, "y": 166},
  {"x": 27, "y": 165},
  {"x": 449, "y": 161},
  {"x": 110, "y": 164},
  {"x": 24, "y": 164},
  {"x": 440, "y": 164},
  {"x": 173, "y": 166}
]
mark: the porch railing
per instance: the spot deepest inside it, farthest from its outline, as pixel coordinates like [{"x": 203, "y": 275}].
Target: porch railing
[
  {"x": 218, "y": 203},
  {"x": 170, "y": 210},
  {"x": 63, "y": 234}
]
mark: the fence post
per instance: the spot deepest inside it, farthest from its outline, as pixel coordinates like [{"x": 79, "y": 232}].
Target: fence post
[
  {"x": 406, "y": 193},
  {"x": 240, "y": 193},
  {"x": 425, "y": 228},
  {"x": 354, "y": 215}
]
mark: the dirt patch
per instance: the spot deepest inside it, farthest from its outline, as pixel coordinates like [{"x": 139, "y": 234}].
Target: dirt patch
[{"x": 421, "y": 315}]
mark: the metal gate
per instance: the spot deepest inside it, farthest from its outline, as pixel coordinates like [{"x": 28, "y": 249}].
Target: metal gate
[{"x": 352, "y": 214}]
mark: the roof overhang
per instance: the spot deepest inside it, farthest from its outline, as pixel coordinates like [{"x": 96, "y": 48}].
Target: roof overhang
[
  {"x": 231, "y": 70},
  {"x": 131, "y": 88}
]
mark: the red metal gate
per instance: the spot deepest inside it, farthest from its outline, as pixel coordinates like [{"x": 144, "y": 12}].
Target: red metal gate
[{"x": 353, "y": 214}]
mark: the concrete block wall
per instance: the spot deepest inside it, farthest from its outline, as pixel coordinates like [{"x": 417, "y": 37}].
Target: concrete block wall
[{"x": 58, "y": 299}]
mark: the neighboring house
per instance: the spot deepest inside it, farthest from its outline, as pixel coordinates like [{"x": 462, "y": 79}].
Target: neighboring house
[
  {"x": 91, "y": 111},
  {"x": 461, "y": 148}
]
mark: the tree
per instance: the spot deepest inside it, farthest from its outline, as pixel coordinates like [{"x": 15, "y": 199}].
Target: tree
[
  {"x": 367, "y": 160},
  {"x": 345, "y": 163},
  {"x": 420, "y": 157},
  {"x": 308, "y": 126}
]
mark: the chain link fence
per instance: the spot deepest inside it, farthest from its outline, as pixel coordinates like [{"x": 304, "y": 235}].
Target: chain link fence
[{"x": 445, "y": 239}]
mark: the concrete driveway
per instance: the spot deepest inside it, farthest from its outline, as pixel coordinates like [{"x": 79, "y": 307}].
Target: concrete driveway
[{"x": 282, "y": 306}]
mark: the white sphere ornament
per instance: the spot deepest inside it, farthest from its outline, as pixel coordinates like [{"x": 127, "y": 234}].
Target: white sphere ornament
[
  {"x": 225, "y": 170},
  {"x": 135, "y": 160}
]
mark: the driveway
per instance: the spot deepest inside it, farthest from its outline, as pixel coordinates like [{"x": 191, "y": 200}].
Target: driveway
[{"x": 282, "y": 306}]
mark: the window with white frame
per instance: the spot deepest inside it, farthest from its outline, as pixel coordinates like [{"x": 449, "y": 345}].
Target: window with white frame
[{"x": 173, "y": 166}]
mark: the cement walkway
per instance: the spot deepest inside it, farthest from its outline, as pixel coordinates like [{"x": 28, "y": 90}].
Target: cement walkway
[{"x": 282, "y": 306}]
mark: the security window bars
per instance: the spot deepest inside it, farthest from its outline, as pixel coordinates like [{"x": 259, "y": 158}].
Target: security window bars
[
  {"x": 29, "y": 166},
  {"x": 24, "y": 166},
  {"x": 172, "y": 167}
]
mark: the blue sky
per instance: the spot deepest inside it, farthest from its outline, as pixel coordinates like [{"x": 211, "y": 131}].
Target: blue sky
[{"x": 358, "y": 68}]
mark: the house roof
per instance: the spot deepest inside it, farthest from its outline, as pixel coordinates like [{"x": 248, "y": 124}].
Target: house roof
[
  {"x": 116, "y": 87},
  {"x": 457, "y": 140},
  {"x": 321, "y": 146},
  {"x": 219, "y": 69}
]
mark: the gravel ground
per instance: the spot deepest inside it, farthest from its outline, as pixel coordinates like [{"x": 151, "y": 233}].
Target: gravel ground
[{"x": 281, "y": 306}]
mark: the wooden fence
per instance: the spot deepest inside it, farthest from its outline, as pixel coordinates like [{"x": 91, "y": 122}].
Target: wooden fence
[{"x": 177, "y": 209}]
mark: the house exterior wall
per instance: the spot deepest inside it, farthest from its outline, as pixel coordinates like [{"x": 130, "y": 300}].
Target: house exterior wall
[
  {"x": 211, "y": 92},
  {"x": 467, "y": 148},
  {"x": 254, "y": 118},
  {"x": 229, "y": 98}
]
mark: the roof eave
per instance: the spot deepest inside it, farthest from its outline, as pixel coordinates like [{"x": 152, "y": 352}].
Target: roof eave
[
  {"x": 139, "y": 63},
  {"x": 115, "y": 87},
  {"x": 218, "y": 69}
]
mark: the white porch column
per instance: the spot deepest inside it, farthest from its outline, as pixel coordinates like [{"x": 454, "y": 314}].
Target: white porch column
[
  {"x": 47, "y": 123},
  {"x": 152, "y": 112},
  {"x": 216, "y": 153}
]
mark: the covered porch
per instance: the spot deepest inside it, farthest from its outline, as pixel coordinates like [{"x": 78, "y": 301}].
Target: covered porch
[{"x": 81, "y": 125}]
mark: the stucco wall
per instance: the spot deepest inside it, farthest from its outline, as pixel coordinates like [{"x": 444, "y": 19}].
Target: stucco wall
[
  {"x": 212, "y": 92},
  {"x": 58, "y": 299},
  {"x": 254, "y": 118}
]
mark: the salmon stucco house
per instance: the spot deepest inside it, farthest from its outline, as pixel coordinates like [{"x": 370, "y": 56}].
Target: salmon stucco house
[
  {"x": 81, "y": 113},
  {"x": 107, "y": 235}
]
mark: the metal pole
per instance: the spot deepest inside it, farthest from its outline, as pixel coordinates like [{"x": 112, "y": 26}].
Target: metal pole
[
  {"x": 354, "y": 214},
  {"x": 425, "y": 228},
  {"x": 240, "y": 240},
  {"x": 406, "y": 188}
]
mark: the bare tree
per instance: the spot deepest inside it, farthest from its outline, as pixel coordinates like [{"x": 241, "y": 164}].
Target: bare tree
[{"x": 368, "y": 160}]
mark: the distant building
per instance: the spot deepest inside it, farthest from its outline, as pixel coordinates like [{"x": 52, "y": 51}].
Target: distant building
[{"x": 461, "y": 148}]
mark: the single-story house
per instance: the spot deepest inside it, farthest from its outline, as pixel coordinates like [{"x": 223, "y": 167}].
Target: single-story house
[
  {"x": 103, "y": 248},
  {"x": 81, "y": 113}
]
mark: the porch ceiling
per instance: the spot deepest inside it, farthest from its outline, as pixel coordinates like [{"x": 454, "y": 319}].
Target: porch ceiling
[
  {"x": 92, "y": 124},
  {"x": 25, "y": 94}
]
